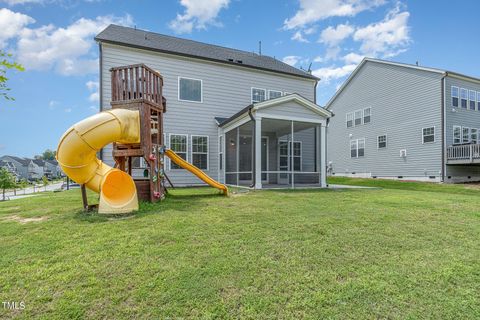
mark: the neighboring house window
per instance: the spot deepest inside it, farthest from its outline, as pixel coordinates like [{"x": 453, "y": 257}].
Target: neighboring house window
[
  {"x": 472, "y": 99},
  {"x": 463, "y": 97},
  {"x": 220, "y": 152},
  {"x": 454, "y": 96},
  {"x": 474, "y": 135},
  {"x": 178, "y": 144},
  {"x": 349, "y": 119},
  {"x": 478, "y": 100},
  {"x": 382, "y": 142},
  {"x": 366, "y": 115},
  {"x": 457, "y": 134},
  {"x": 358, "y": 117},
  {"x": 200, "y": 152},
  {"x": 465, "y": 134},
  {"x": 272, "y": 94},
  {"x": 428, "y": 134},
  {"x": 353, "y": 149},
  {"x": 189, "y": 89},
  {"x": 258, "y": 95},
  {"x": 357, "y": 148}
]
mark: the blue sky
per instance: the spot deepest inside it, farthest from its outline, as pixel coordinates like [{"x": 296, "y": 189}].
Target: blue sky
[{"x": 54, "y": 40}]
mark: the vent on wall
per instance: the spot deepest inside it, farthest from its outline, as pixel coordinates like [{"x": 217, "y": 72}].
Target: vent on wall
[{"x": 403, "y": 153}]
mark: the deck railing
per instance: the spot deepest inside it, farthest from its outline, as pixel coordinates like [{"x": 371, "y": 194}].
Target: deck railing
[
  {"x": 136, "y": 82},
  {"x": 467, "y": 153}
]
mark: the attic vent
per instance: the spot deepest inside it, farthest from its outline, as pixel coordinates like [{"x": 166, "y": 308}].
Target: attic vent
[
  {"x": 239, "y": 61},
  {"x": 231, "y": 60}
]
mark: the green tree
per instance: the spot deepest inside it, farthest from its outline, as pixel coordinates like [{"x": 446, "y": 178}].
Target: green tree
[
  {"x": 49, "y": 154},
  {"x": 45, "y": 182},
  {"x": 7, "y": 180},
  {"x": 7, "y": 63}
]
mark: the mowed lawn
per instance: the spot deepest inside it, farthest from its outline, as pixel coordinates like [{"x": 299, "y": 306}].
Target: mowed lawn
[{"x": 406, "y": 251}]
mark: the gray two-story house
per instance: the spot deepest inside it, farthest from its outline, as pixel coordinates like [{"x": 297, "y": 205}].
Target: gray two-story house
[
  {"x": 402, "y": 121},
  {"x": 243, "y": 118}
]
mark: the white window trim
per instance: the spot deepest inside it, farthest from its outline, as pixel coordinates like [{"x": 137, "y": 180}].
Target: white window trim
[
  {"x": 460, "y": 98},
  {"x": 474, "y": 99},
  {"x": 461, "y": 135},
  {"x": 363, "y": 115},
  {"x": 169, "y": 146},
  {"x": 221, "y": 140},
  {"x": 201, "y": 90},
  {"x": 364, "y": 147},
  {"x": 207, "y": 153},
  {"x": 476, "y": 134},
  {"x": 251, "y": 94},
  {"x": 478, "y": 100},
  {"x": 452, "y": 96},
  {"x": 291, "y": 155},
  {"x": 354, "y": 118},
  {"x": 278, "y": 91},
  {"x": 386, "y": 141},
  {"x": 434, "y": 134},
  {"x": 469, "y": 135}
]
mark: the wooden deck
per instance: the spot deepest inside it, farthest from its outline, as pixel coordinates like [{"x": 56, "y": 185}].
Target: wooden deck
[{"x": 467, "y": 154}]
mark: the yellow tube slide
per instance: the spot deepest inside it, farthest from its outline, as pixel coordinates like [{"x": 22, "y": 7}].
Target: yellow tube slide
[
  {"x": 76, "y": 154},
  {"x": 196, "y": 171}
]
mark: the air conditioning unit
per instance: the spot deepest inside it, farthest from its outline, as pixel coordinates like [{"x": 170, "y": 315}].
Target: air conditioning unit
[{"x": 403, "y": 153}]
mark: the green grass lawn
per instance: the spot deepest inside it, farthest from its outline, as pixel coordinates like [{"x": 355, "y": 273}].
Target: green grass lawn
[{"x": 405, "y": 251}]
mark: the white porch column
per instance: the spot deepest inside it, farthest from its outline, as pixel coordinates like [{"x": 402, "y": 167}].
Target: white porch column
[
  {"x": 323, "y": 156},
  {"x": 258, "y": 153}
]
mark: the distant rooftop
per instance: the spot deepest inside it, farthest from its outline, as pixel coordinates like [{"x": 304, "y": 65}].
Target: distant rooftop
[{"x": 167, "y": 44}]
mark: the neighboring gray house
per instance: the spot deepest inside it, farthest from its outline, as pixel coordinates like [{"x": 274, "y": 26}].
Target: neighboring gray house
[
  {"x": 239, "y": 116},
  {"x": 10, "y": 167},
  {"x": 401, "y": 121},
  {"x": 20, "y": 164}
]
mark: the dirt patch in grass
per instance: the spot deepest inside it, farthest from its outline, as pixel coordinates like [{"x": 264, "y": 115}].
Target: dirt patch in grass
[{"x": 25, "y": 220}]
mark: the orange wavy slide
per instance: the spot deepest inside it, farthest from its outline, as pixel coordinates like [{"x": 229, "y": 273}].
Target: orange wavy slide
[{"x": 196, "y": 171}]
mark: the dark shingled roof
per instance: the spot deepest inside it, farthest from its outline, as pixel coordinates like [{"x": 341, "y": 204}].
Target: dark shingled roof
[{"x": 162, "y": 43}]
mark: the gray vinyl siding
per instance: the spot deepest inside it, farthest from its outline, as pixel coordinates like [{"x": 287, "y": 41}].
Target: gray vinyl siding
[
  {"x": 226, "y": 90},
  {"x": 402, "y": 101},
  {"x": 461, "y": 117},
  {"x": 289, "y": 109}
]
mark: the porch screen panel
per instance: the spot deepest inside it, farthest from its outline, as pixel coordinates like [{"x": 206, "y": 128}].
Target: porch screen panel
[
  {"x": 305, "y": 154},
  {"x": 231, "y": 144}
]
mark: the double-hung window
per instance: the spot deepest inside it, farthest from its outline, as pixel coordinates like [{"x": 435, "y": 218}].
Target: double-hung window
[
  {"x": 455, "y": 96},
  {"x": 366, "y": 115},
  {"x": 474, "y": 135},
  {"x": 358, "y": 117},
  {"x": 463, "y": 97},
  {"x": 428, "y": 134},
  {"x": 272, "y": 94},
  {"x": 478, "y": 100},
  {"x": 472, "y": 99},
  {"x": 357, "y": 148},
  {"x": 178, "y": 144},
  {"x": 220, "y": 152},
  {"x": 465, "y": 134},
  {"x": 382, "y": 142},
  {"x": 200, "y": 152},
  {"x": 190, "y": 90},
  {"x": 349, "y": 119},
  {"x": 258, "y": 95},
  {"x": 457, "y": 134}
]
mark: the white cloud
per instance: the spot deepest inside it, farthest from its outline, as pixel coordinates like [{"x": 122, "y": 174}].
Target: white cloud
[
  {"x": 387, "y": 37},
  {"x": 198, "y": 14},
  {"x": 52, "y": 104},
  {"x": 298, "y": 36},
  {"x": 327, "y": 74},
  {"x": 353, "y": 57},
  {"x": 67, "y": 110},
  {"x": 333, "y": 36},
  {"x": 312, "y": 11},
  {"x": 93, "y": 87},
  {"x": 11, "y": 24},
  {"x": 67, "y": 50},
  {"x": 291, "y": 60},
  {"x": 15, "y": 2}
]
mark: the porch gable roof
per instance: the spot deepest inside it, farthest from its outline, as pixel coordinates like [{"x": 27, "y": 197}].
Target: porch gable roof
[{"x": 272, "y": 103}]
